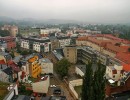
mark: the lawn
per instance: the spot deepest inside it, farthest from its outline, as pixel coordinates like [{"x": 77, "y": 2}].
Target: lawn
[
  {"x": 3, "y": 90},
  {"x": 78, "y": 89}
]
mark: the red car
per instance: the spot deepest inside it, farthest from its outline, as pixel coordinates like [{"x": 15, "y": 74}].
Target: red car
[{"x": 35, "y": 94}]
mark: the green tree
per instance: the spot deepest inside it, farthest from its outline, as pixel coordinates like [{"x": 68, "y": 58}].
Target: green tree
[
  {"x": 12, "y": 54},
  {"x": 4, "y": 33},
  {"x": 99, "y": 83},
  {"x": 63, "y": 67},
  {"x": 93, "y": 83},
  {"x": 87, "y": 83}
]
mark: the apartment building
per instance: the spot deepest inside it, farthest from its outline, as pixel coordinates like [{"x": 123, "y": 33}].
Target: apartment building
[
  {"x": 46, "y": 66},
  {"x": 88, "y": 54},
  {"x": 39, "y": 45},
  {"x": 34, "y": 67},
  {"x": 112, "y": 48},
  {"x": 12, "y": 29},
  {"x": 118, "y": 79},
  {"x": 64, "y": 41},
  {"x": 47, "y": 31},
  {"x": 8, "y": 42},
  {"x": 70, "y": 53}
]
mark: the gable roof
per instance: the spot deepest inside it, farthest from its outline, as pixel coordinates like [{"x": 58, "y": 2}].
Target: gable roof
[
  {"x": 124, "y": 57},
  {"x": 2, "y": 62},
  {"x": 126, "y": 67}
]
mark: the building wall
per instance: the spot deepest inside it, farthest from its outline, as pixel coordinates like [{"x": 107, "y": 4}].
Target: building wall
[
  {"x": 25, "y": 44},
  {"x": 4, "y": 77},
  {"x": 34, "y": 67},
  {"x": 46, "y": 68},
  {"x": 36, "y": 46},
  {"x": 64, "y": 42},
  {"x": 79, "y": 72},
  {"x": 42, "y": 86},
  {"x": 118, "y": 89},
  {"x": 54, "y": 44},
  {"x": 13, "y": 31},
  {"x": 111, "y": 54},
  {"x": 71, "y": 54},
  {"x": 93, "y": 45},
  {"x": 79, "y": 43},
  {"x": 13, "y": 92},
  {"x": 74, "y": 83}
]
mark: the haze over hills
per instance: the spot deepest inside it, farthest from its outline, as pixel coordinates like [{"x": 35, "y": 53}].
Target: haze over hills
[{"x": 32, "y": 21}]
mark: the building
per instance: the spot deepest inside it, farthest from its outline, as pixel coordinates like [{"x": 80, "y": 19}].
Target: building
[
  {"x": 42, "y": 85},
  {"x": 8, "y": 42},
  {"x": 63, "y": 41},
  {"x": 34, "y": 67},
  {"x": 54, "y": 42},
  {"x": 86, "y": 54},
  {"x": 46, "y": 66},
  {"x": 36, "y": 44},
  {"x": 12, "y": 29},
  {"x": 8, "y": 91},
  {"x": 108, "y": 45},
  {"x": 47, "y": 31},
  {"x": 118, "y": 79},
  {"x": 80, "y": 70},
  {"x": 70, "y": 53}
]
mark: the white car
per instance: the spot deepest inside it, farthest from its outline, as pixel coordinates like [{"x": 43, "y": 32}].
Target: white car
[{"x": 53, "y": 86}]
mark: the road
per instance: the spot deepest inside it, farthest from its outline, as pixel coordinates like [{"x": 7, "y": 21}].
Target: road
[{"x": 59, "y": 81}]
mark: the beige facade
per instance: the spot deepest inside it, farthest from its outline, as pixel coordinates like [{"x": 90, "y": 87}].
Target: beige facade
[
  {"x": 114, "y": 72},
  {"x": 79, "y": 43},
  {"x": 54, "y": 44},
  {"x": 70, "y": 53},
  {"x": 41, "y": 86}
]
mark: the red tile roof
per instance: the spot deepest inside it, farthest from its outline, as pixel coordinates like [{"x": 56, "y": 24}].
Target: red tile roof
[
  {"x": 13, "y": 66},
  {"x": 2, "y": 62},
  {"x": 116, "y": 49},
  {"x": 126, "y": 67},
  {"x": 82, "y": 38},
  {"x": 124, "y": 57}
]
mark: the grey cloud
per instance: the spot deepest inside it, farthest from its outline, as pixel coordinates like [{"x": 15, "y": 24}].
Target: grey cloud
[{"x": 81, "y": 10}]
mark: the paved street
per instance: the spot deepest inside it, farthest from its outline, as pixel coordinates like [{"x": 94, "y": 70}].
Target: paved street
[{"x": 60, "y": 82}]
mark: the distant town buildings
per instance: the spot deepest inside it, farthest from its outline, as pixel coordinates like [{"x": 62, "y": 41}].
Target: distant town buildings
[
  {"x": 12, "y": 29},
  {"x": 7, "y": 42}
]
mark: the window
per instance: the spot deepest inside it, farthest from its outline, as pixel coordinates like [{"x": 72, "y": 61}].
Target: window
[{"x": 113, "y": 76}]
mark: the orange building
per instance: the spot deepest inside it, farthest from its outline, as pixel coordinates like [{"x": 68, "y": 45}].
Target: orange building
[{"x": 34, "y": 67}]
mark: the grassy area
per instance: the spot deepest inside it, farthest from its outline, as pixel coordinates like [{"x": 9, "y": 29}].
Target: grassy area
[
  {"x": 3, "y": 90},
  {"x": 32, "y": 79},
  {"x": 78, "y": 89}
]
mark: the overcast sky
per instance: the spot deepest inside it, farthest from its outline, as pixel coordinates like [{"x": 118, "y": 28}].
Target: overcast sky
[{"x": 80, "y": 10}]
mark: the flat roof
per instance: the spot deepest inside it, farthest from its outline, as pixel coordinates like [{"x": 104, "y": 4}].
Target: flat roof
[
  {"x": 57, "y": 55},
  {"x": 46, "y": 60},
  {"x": 82, "y": 68}
]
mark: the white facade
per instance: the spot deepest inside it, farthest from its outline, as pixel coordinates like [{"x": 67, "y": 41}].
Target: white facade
[
  {"x": 25, "y": 44},
  {"x": 41, "y": 86},
  {"x": 114, "y": 72},
  {"x": 24, "y": 69},
  {"x": 47, "y": 31},
  {"x": 46, "y": 65},
  {"x": 64, "y": 42},
  {"x": 79, "y": 72},
  {"x": 13, "y": 90},
  {"x": 36, "y": 46}
]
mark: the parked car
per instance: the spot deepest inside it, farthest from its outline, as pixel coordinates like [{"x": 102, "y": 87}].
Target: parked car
[
  {"x": 35, "y": 94},
  {"x": 53, "y": 86},
  {"x": 57, "y": 91},
  {"x": 32, "y": 98}
]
